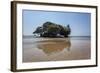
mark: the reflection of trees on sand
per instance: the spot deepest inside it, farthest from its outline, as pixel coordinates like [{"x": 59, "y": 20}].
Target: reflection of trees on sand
[{"x": 54, "y": 45}]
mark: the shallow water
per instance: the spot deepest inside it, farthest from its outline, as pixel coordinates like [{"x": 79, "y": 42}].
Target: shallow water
[{"x": 56, "y": 49}]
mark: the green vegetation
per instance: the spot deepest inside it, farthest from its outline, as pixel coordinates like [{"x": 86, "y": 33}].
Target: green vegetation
[{"x": 49, "y": 29}]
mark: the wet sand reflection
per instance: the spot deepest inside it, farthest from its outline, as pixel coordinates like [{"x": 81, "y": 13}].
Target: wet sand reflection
[
  {"x": 53, "y": 46},
  {"x": 56, "y": 49}
]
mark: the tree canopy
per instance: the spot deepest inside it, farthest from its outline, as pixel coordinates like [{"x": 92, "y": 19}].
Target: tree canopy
[{"x": 49, "y": 29}]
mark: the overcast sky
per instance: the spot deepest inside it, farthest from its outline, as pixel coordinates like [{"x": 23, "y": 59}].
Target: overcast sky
[{"x": 80, "y": 23}]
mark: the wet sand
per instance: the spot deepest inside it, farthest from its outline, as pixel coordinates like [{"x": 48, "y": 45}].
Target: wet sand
[{"x": 56, "y": 49}]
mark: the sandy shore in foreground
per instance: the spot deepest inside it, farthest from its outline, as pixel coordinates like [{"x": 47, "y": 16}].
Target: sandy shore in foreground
[{"x": 55, "y": 49}]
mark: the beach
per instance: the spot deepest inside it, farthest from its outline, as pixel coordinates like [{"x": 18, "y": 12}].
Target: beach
[{"x": 56, "y": 49}]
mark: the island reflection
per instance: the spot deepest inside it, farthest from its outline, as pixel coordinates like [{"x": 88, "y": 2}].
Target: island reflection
[{"x": 54, "y": 45}]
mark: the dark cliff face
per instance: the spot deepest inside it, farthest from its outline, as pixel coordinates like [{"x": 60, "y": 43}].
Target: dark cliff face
[{"x": 49, "y": 29}]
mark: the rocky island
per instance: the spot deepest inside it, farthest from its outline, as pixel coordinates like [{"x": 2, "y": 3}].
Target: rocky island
[{"x": 50, "y": 29}]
